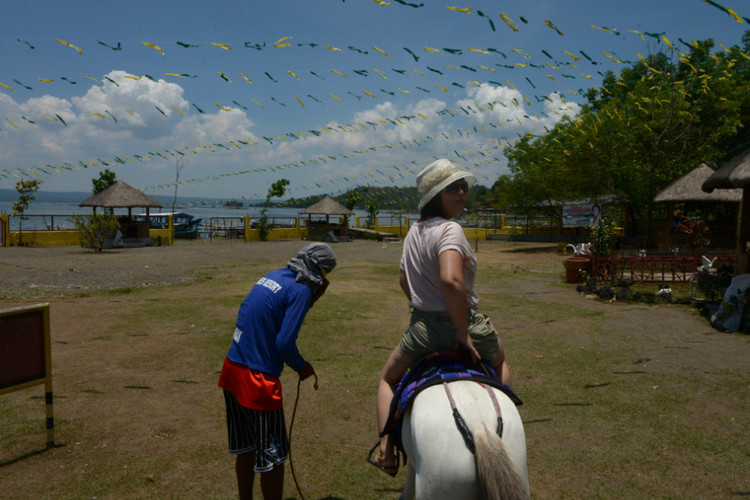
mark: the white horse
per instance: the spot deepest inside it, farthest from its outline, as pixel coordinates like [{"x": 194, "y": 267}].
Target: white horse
[{"x": 440, "y": 466}]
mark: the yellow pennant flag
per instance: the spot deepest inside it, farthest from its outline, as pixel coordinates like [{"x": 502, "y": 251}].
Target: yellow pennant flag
[
  {"x": 300, "y": 103},
  {"x": 337, "y": 99},
  {"x": 381, "y": 75},
  {"x": 382, "y": 52},
  {"x": 430, "y": 49},
  {"x": 279, "y": 43},
  {"x": 735, "y": 16},
  {"x": 155, "y": 47},
  {"x": 637, "y": 33},
  {"x": 509, "y": 22},
  {"x": 80, "y": 50},
  {"x": 339, "y": 73},
  {"x": 221, "y": 46},
  {"x": 464, "y": 10},
  {"x": 46, "y": 80},
  {"x": 91, "y": 78},
  {"x": 6, "y": 86},
  {"x": 246, "y": 78}
]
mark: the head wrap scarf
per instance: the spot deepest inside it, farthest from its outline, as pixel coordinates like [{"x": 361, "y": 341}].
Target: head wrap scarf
[{"x": 309, "y": 263}]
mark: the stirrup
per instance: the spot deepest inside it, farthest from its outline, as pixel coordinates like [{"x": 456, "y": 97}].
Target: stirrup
[{"x": 379, "y": 461}]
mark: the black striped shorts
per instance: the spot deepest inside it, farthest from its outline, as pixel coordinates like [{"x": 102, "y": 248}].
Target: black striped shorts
[{"x": 250, "y": 430}]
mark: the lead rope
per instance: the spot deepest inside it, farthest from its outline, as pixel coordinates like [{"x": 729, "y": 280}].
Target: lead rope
[{"x": 291, "y": 425}]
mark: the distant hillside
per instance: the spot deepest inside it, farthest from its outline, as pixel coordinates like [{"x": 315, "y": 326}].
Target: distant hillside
[{"x": 386, "y": 198}]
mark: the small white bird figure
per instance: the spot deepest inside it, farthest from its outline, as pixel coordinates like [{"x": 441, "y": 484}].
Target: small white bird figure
[
  {"x": 580, "y": 249},
  {"x": 707, "y": 263}
]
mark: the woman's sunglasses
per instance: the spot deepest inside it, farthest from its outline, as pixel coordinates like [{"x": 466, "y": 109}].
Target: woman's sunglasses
[{"x": 453, "y": 188}]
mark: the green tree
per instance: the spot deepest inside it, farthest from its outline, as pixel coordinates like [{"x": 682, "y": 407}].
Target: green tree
[
  {"x": 276, "y": 190},
  {"x": 94, "y": 229},
  {"x": 372, "y": 214},
  {"x": 643, "y": 128},
  {"x": 106, "y": 179},
  {"x": 352, "y": 199},
  {"x": 26, "y": 190}
]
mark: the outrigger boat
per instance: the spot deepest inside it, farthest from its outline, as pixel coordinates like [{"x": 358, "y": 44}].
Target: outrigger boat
[{"x": 185, "y": 225}]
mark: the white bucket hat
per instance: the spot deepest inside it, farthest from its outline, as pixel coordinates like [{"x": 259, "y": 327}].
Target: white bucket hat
[{"x": 437, "y": 176}]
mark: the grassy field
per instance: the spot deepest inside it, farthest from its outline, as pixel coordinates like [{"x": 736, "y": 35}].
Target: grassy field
[{"x": 620, "y": 400}]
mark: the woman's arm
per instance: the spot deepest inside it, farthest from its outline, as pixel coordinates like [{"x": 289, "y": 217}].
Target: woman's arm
[
  {"x": 404, "y": 284},
  {"x": 454, "y": 292}
]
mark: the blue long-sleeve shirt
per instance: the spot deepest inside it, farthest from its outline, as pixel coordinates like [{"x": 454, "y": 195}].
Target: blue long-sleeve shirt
[{"x": 268, "y": 323}]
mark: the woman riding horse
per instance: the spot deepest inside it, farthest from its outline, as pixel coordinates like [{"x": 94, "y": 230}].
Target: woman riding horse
[{"x": 438, "y": 269}]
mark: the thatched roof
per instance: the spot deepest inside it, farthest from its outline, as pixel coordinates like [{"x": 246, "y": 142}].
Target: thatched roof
[
  {"x": 120, "y": 195},
  {"x": 327, "y": 206},
  {"x": 733, "y": 174},
  {"x": 688, "y": 188}
]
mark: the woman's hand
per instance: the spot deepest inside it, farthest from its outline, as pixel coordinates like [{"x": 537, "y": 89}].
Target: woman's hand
[{"x": 465, "y": 343}]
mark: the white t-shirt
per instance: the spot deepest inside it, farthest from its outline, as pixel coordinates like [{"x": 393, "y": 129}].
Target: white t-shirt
[{"x": 423, "y": 245}]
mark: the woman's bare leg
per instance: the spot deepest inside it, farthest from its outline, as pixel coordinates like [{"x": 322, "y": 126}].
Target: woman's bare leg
[{"x": 394, "y": 369}]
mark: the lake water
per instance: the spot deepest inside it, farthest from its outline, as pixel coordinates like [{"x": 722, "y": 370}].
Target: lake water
[{"x": 42, "y": 213}]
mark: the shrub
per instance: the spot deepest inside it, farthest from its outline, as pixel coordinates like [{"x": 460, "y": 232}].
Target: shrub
[{"x": 94, "y": 229}]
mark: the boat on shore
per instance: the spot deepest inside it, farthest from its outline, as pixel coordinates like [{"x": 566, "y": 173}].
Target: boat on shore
[{"x": 185, "y": 225}]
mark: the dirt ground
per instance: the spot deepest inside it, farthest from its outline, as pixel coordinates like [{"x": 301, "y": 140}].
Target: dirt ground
[{"x": 89, "y": 342}]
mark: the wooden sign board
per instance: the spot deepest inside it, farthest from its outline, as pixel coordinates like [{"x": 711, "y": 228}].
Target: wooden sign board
[{"x": 25, "y": 357}]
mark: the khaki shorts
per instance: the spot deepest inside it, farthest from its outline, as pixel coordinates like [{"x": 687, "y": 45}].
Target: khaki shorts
[{"x": 429, "y": 332}]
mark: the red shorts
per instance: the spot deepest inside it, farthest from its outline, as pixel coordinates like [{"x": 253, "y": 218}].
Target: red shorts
[{"x": 251, "y": 388}]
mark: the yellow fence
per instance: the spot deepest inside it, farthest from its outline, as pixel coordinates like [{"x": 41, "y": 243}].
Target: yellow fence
[{"x": 299, "y": 232}]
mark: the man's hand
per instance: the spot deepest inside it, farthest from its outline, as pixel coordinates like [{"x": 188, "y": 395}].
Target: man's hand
[{"x": 306, "y": 372}]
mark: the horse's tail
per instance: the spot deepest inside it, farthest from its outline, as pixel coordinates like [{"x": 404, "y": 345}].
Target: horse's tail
[{"x": 495, "y": 470}]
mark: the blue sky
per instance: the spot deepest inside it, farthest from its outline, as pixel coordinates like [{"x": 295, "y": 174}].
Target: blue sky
[{"x": 329, "y": 94}]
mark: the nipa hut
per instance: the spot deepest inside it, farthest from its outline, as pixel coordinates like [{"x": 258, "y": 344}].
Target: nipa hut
[
  {"x": 732, "y": 175},
  {"x": 687, "y": 191},
  {"x": 122, "y": 195},
  {"x": 321, "y": 228}
]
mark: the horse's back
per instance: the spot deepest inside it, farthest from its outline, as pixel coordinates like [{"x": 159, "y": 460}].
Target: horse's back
[{"x": 441, "y": 466}]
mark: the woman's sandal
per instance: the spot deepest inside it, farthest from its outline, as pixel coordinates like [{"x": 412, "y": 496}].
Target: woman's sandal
[{"x": 390, "y": 466}]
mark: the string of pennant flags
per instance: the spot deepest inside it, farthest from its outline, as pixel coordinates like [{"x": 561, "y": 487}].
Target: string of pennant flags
[
  {"x": 285, "y": 42},
  {"x": 289, "y": 136},
  {"x": 387, "y": 174},
  {"x": 423, "y": 71},
  {"x": 166, "y": 155}
]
